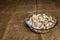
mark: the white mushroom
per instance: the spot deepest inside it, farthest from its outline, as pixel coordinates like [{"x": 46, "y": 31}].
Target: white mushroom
[{"x": 41, "y": 21}]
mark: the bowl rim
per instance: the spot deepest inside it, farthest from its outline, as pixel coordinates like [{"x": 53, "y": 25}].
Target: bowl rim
[{"x": 30, "y": 26}]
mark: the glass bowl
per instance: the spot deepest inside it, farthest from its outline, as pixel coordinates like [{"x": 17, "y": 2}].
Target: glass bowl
[{"x": 40, "y": 30}]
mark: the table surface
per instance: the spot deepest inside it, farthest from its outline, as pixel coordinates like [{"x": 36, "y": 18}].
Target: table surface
[{"x": 12, "y": 14}]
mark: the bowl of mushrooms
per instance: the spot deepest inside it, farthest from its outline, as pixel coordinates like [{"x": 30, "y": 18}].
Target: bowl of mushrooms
[{"x": 41, "y": 22}]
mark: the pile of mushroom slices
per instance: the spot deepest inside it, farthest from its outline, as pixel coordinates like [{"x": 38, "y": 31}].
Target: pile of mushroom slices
[{"x": 41, "y": 21}]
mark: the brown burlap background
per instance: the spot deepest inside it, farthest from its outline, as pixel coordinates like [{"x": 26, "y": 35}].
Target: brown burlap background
[{"x": 13, "y": 12}]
